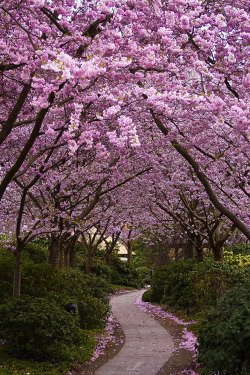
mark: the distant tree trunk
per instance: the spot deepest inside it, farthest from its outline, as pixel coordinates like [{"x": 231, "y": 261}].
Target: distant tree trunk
[
  {"x": 189, "y": 250},
  {"x": 72, "y": 258},
  {"x": 61, "y": 258},
  {"x": 218, "y": 253},
  {"x": 129, "y": 248},
  {"x": 199, "y": 253},
  {"x": 17, "y": 271},
  {"x": 89, "y": 261},
  {"x": 107, "y": 259},
  {"x": 66, "y": 258},
  {"x": 54, "y": 251}
]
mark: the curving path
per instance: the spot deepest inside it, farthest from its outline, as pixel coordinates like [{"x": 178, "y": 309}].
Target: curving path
[{"x": 147, "y": 346}]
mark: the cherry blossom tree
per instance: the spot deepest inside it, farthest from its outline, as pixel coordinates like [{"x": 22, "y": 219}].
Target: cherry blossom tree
[{"x": 127, "y": 88}]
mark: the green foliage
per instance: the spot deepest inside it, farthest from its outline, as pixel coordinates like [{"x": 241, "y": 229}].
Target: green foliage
[
  {"x": 157, "y": 283},
  {"x": 6, "y": 272},
  {"x": 210, "y": 279},
  {"x": 37, "y": 328},
  {"x": 241, "y": 248},
  {"x": 146, "y": 297},
  {"x": 12, "y": 366},
  {"x": 124, "y": 274},
  {"x": 92, "y": 312},
  {"x": 40, "y": 279},
  {"x": 197, "y": 285},
  {"x": 177, "y": 285},
  {"x": 225, "y": 335},
  {"x": 238, "y": 259},
  {"x": 100, "y": 269},
  {"x": 37, "y": 252},
  {"x": 170, "y": 284},
  {"x": 144, "y": 272}
]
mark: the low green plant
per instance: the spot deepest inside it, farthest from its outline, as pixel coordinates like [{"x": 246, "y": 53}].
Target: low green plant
[
  {"x": 38, "y": 328},
  {"x": 225, "y": 335},
  {"x": 124, "y": 274},
  {"x": 171, "y": 285},
  {"x": 37, "y": 252},
  {"x": 158, "y": 283},
  {"x": 92, "y": 312},
  {"x": 146, "y": 297}
]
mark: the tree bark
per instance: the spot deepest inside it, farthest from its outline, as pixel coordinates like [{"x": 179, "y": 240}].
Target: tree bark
[
  {"x": 17, "y": 271},
  {"x": 189, "y": 249},
  {"x": 107, "y": 259},
  {"x": 89, "y": 262},
  {"x": 72, "y": 258},
  {"x": 199, "y": 253},
  {"x": 218, "y": 253},
  {"x": 54, "y": 251},
  {"x": 130, "y": 255}
]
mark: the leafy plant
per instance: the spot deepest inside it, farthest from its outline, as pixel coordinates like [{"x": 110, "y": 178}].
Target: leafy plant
[
  {"x": 38, "y": 328},
  {"x": 92, "y": 312},
  {"x": 124, "y": 274},
  {"x": 224, "y": 337}
]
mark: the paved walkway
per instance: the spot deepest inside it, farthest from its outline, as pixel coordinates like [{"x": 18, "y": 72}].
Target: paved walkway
[{"x": 147, "y": 346}]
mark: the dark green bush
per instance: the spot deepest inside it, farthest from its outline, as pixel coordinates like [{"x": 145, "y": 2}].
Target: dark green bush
[
  {"x": 144, "y": 272},
  {"x": 40, "y": 279},
  {"x": 158, "y": 283},
  {"x": 101, "y": 270},
  {"x": 171, "y": 285},
  {"x": 190, "y": 284},
  {"x": 40, "y": 329},
  {"x": 211, "y": 279},
  {"x": 92, "y": 312},
  {"x": 241, "y": 248},
  {"x": 225, "y": 335},
  {"x": 146, "y": 297},
  {"x": 6, "y": 275},
  {"x": 177, "y": 286},
  {"x": 35, "y": 252},
  {"x": 124, "y": 274}
]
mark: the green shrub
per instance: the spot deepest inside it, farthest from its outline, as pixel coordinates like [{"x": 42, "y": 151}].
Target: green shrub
[
  {"x": 158, "y": 283},
  {"x": 144, "y": 272},
  {"x": 190, "y": 284},
  {"x": 6, "y": 272},
  {"x": 92, "y": 312},
  {"x": 225, "y": 335},
  {"x": 99, "y": 269},
  {"x": 146, "y": 297},
  {"x": 124, "y": 274},
  {"x": 177, "y": 286},
  {"x": 40, "y": 279},
  {"x": 210, "y": 279},
  {"x": 38, "y": 328},
  {"x": 240, "y": 248},
  {"x": 35, "y": 252}
]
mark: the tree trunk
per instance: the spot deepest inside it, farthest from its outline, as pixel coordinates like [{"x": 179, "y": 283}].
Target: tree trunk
[
  {"x": 17, "y": 271},
  {"x": 54, "y": 251},
  {"x": 189, "y": 249},
  {"x": 176, "y": 255},
  {"x": 66, "y": 258},
  {"x": 61, "y": 258},
  {"x": 89, "y": 261},
  {"x": 130, "y": 255},
  {"x": 218, "y": 253},
  {"x": 199, "y": 253},
  {"x": 72, "y": 258},
  {"x": 107, "y": 259}
]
